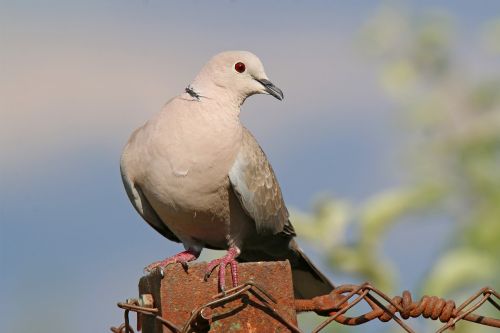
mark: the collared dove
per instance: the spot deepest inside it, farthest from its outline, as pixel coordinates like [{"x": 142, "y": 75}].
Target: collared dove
[{"x": 199, "y": 177}]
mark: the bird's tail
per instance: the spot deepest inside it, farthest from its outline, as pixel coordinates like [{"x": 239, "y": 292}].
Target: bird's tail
[{"x": 308, "y": 280}]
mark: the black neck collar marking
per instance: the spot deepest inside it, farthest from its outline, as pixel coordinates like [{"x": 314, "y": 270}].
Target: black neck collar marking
[{"x": 190, "y": 90}]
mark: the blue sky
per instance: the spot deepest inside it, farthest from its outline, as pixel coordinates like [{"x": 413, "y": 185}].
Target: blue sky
[{"x": 77, "y": 77}]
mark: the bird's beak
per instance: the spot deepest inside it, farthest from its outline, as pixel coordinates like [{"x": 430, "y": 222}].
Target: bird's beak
[{"x": 271, "y": 89}]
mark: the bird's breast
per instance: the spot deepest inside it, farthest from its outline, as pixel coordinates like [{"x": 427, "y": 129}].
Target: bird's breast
[{"x": 189, "y": 158}]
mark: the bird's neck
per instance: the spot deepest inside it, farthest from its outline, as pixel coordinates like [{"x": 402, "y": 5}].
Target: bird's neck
[{"x": 208, "y": 91}]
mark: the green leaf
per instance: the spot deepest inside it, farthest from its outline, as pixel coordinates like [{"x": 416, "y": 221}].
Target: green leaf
[{"x": 459, "y": 269}]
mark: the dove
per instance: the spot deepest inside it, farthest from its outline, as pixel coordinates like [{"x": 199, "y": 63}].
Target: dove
[{"x": 198, "y": 177}]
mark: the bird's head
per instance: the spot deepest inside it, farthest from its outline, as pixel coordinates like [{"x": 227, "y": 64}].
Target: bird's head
[{"x": 239, "y": 73}]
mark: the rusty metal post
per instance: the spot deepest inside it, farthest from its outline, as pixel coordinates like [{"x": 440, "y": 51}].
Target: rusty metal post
[{"x": 178, "y": 293}]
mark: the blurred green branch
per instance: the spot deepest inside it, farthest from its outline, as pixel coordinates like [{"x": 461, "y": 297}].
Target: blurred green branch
[
  {"x": 455, "y": 158},
  {"x": 327, "y": 228}
]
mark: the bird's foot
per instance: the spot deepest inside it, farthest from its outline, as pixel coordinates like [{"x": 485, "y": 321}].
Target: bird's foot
[
  {"x": 183, "y": 258},
  {"x": 228, "y": 259}
]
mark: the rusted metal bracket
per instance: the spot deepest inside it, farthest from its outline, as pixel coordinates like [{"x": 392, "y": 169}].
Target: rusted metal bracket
[{"x": 186, "y": 301}]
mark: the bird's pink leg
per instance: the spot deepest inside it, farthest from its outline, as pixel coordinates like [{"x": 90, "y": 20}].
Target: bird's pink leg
[
  {"x": 228, "y": 259},
  {"x": 183, "y": 258}
]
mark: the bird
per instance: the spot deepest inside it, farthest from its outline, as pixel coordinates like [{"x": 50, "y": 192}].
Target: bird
[{"x": 199, "y": 177}]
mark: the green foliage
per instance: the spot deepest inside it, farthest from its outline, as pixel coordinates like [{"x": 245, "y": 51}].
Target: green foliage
[
  {"x": 455, "y": 168},
  {"x": 459, "y": 268},
  {"x": 328, "y": 225}
]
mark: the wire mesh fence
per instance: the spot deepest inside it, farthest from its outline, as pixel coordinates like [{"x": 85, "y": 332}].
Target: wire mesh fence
[{"x": 334, "y": 306}]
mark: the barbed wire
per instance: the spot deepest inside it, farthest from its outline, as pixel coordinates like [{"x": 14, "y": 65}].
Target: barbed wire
[{"x": 335, "y": 306}]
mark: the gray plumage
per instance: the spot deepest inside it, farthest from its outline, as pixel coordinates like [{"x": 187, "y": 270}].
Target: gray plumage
[{"x": 198, "y": 177}]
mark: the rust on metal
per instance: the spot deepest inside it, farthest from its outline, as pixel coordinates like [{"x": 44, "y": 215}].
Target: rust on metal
[
  {"x": 345, "y": 297},
  {"x": 183, "y": 296},
  {"x": 182, "y": 302}
]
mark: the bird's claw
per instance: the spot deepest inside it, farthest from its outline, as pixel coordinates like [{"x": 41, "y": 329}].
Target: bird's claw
[
  {"x": 184, "y": 265},
  {"x": 228, "y": 259},
  {"x": 183, "y": 258},
  {"x": 156, "y": 265},
  {"x": 207, "y": 275}
]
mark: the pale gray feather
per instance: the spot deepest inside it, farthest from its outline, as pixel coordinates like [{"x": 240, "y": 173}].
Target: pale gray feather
[
  {"x": 144, "y": 208},
  {"x": 257, "y": 188}
]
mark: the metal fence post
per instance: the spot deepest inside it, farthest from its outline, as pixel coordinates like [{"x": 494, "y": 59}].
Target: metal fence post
[{"x": 181, "y": 292}]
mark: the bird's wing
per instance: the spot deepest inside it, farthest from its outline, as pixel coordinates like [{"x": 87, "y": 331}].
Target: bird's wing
[
  {"x": 257, "y": 189},
  {"x": 144, "y": 208}
]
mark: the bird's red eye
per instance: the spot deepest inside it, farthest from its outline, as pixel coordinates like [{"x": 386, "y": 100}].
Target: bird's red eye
[{"x": 239, "y": 67}]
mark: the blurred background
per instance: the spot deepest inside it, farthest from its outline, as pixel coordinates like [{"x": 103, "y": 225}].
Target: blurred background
[{"x": 387, "y": 144}]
